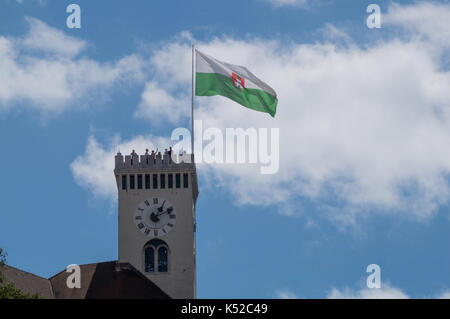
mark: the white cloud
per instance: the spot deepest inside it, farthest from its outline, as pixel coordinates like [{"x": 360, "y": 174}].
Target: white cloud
[
  {"x": 365, "y": 126},
  {"x": 286, "y": 294},
  {"x": 157, "y": 103},
  {"x": 42, "y": 37},
  {"x": 334, "y": 34},
  {"x": 94, "y": 169},
  {"x": 281, "y": 3},
  {"x": 41, "y": 70},
  {"x": 444, "y": 295},
  {"x": 165, "y": 95},
  {"x": 41, "y": 2},
  {"x": 426, "y": 20},
  {"x": 385, "y": 292}
]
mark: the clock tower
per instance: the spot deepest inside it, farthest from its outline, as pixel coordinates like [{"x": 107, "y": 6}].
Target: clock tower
[{"x": 157, "y": 196}]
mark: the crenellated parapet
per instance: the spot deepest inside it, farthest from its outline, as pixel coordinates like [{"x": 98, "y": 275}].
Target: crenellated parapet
[
  {"x": 154, "y": 162},
  {"x": 136, "y": 172}
]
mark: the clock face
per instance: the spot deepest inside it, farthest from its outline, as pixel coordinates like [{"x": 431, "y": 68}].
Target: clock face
[{"x": 155, "y": 217}]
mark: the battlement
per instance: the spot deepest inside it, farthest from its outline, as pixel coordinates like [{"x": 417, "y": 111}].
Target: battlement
[{"x": 154, "y": 162}]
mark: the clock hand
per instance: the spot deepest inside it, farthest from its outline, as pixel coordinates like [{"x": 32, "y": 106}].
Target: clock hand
[
  {"x": 168, "y": 211},
  {"x": 161, "y": 213},
  {"x": 160, "y": 209}
]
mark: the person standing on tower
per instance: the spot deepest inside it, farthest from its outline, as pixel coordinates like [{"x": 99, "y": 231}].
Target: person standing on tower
[{"x": 170, "y": 154}]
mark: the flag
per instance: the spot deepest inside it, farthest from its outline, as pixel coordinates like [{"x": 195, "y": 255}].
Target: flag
[{"x": 235, "y": 82}]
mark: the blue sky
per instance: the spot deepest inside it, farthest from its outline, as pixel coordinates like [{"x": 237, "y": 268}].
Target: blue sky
[{"x": 364, "y": 119}]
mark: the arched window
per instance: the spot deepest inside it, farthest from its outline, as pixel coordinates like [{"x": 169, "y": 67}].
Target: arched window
[
  {"x": 156, "y": 253},
  {"x": 162, "y": 259},
  {"x": 149, "y": 259}
]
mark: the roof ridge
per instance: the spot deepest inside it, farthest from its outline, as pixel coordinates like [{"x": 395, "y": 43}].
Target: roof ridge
[
  {"x": 27, "y": 272},
  {"x": 109, "y": 261}
]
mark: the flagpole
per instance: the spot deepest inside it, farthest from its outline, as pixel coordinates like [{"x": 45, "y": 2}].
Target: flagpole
[{"x": 192, "y": 105}]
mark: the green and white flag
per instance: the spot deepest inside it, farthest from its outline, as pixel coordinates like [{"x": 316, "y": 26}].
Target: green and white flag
[{"x": 235, "y": 82}]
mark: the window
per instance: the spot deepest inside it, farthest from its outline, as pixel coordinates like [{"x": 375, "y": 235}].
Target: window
[
  {"x": 177, "y": 181},
  {"x": 124, "y": 182},
  {"x": 147, "y": 181},
  {"x": 170, "y": 180},
  {"x": 155, "y": 181},
  {"x": 149, "y": 259},
  {"x": 161, "y": 258},
  {"x": 185, "y": 181},
  {"x": 131, "y": 181},
  {"x": 162, "y": 181},
  {"x": 139, "y": 181}
]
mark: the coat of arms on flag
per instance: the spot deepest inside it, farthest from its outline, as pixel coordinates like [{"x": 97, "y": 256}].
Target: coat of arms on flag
[{"x": 238, "y": 81}]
